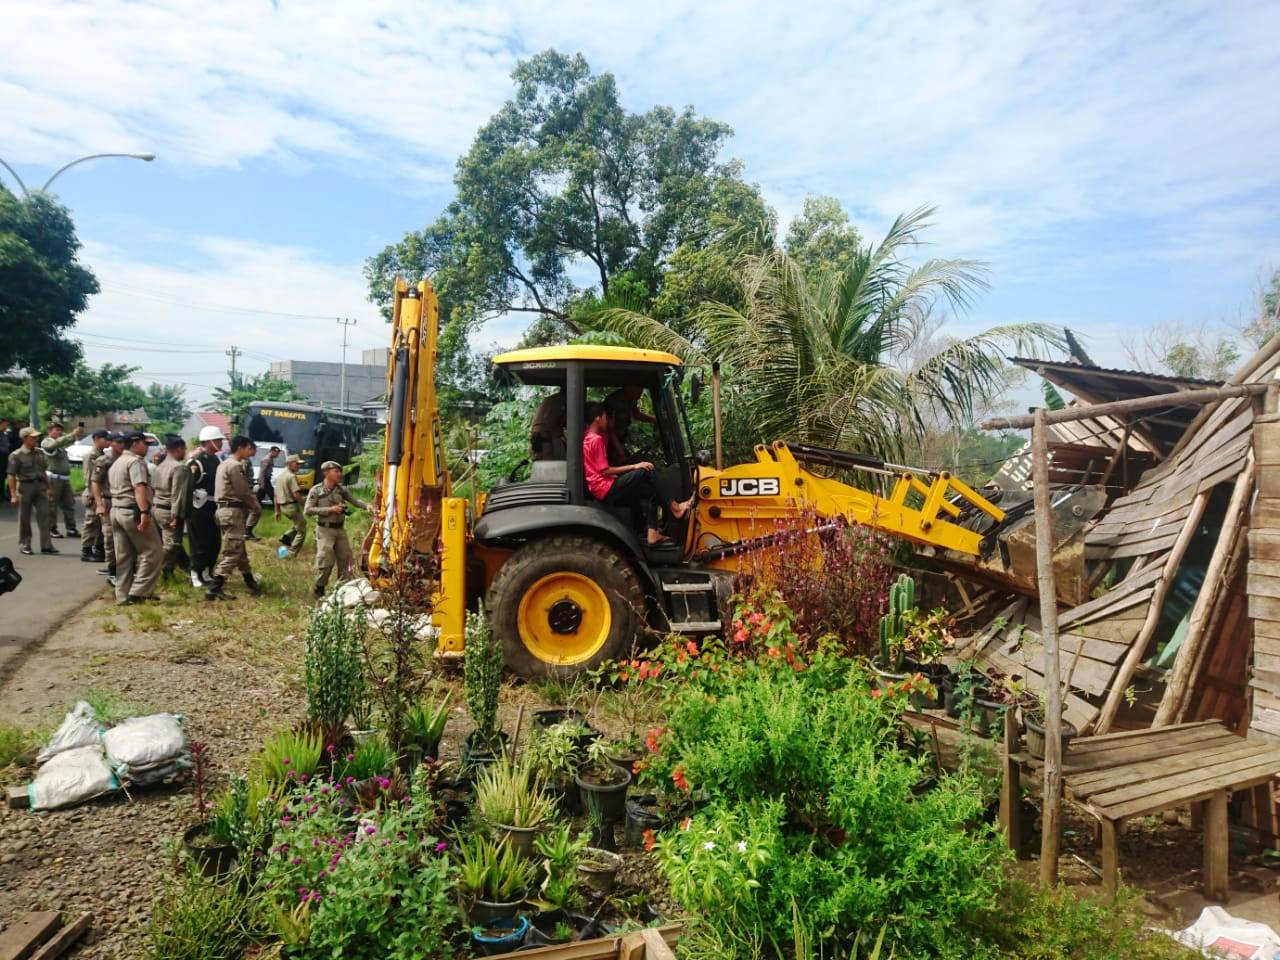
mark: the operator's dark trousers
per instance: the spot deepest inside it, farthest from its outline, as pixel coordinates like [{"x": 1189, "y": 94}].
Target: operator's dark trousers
[
  {"x": 636, "y": 488},
  {"x": 206, "y": 539}
]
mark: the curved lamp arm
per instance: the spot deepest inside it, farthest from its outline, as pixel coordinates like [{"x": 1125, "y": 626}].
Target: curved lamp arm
[
  {"x": 14, "y": 173},
  {"x": 147, "y": 157}
]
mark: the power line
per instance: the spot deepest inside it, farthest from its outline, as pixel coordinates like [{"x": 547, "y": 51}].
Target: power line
[{"x": 215, "y": 307}]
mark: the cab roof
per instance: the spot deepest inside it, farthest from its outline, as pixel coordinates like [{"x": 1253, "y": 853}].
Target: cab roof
[{"x": 589, "y": 353}]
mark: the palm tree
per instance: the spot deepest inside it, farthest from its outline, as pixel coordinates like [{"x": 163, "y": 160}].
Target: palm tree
[{"x": 828, "y": 359}]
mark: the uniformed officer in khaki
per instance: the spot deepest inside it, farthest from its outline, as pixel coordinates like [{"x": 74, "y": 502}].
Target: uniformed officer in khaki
[
  {"x": 327, "y": 502},
  {"x": 64, "y": 499},
  {"x": 236, "y": 503},
  {"x": 102, "y": 499},
  {"x": 91, "y": 545},
  {"x": 289, "y": 500},
  {"x": 139, "y": 552},
  {"x": 29, "y": 489},
  {"x": 169, "y": 478}
]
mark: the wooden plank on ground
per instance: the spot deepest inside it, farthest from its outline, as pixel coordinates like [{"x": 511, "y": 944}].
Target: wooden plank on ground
[
  {"x": 20, "y": 939},
  {"x": 64, "y": 938}
]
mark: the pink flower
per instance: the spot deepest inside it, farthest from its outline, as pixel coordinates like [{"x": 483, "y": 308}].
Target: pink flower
[
  {"x": 441, "y": 847},
  {"x": 285, "y": 761}
]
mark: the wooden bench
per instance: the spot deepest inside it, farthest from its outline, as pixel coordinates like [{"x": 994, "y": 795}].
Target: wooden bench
[{"x": 1140, "y": 772}]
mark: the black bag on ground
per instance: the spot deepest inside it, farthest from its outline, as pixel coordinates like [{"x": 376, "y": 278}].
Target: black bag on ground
[{"x": 9, "y": 577}]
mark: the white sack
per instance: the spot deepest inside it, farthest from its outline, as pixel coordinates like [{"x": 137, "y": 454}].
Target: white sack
[
  {"x": 145, "y": 741},
  {"x": 80, "y": 728},
  {"x": 1217, "y": 933},
  {"x": 70, "y": 777}
]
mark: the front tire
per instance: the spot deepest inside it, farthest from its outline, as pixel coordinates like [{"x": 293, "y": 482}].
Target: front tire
[{"x": 563, "y": 605}]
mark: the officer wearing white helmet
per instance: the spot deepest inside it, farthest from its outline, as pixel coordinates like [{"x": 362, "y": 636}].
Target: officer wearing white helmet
[{"x": 202, "y": 524}]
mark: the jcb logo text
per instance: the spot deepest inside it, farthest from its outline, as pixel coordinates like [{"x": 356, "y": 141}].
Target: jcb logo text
[{"x": 749, "y": 487}]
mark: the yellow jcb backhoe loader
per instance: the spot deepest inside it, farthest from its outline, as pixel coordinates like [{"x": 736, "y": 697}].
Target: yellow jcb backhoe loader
[{"x": 569, "y": 582}]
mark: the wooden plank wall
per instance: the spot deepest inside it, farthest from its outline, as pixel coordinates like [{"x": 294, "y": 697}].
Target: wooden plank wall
[{"x": 1264, "y": 582}]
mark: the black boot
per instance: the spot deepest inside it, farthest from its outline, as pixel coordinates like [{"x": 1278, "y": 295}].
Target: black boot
[
  {"x": 255, "y": 588},
  {"x": 215, "y": 589},
  {"x": 87, "y": 557}
]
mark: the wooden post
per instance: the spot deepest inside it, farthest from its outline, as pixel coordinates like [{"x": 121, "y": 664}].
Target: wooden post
[
  {"x": 1130, "y": 663},
  {"x": 1215, "y": 847},
  {"x": 1176, "y": 687},
  {"x": 1050, "y": 837},
  {"x": 715, "y": 413},
  {"x": 1011, "y": 787}
]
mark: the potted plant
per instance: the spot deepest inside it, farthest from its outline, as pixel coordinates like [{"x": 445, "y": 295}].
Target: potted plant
[
  {"x": 208, "y": 842},
  {"x": 892, "y": 665},
  {"x": 556, "y": 754},
  {"x": 333, "y": 668},
  {"x": 625, "y": 751},
  {"x": 642, "y": 815},
  {"x": 1032, "y": 708},
  {"x": 492, "y": 879},
  {"x": 603, "y": 786},
  {"x": 481, "y": 678},
  {"x": 500, "y": 936},
  {"x": 510, "y": 798},
  {"x": 423, "y": 728},
  {"x": 371, "y": 758},
  {"x": 965, "y": 685},
  {"x": 599, "y": 869},
  {"x": 558, "y": 851}
]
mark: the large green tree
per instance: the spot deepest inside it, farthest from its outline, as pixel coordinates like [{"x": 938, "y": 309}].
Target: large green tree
[
  {"x": 167, "y": 403},
  {"x": 43, "y": 285},
  {"x": 244, "y": 390},
  {"x": 84, "y": 391}
]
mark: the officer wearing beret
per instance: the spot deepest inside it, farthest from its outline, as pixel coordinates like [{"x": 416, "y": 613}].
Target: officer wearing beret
[
  {"x": 327, "y": 502},
  {"x": 29, "y": 489},
  {"x": 64, "y": 499}
]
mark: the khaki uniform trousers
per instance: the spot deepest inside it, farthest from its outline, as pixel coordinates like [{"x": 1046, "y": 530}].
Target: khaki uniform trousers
[
  {"x": 138, "y": 555},
  {"x": 332, "y": 546},
  {"x": 33, "y": 496},
  {"x": 174, "y": 554},
  {"x": 234, "y": 556},
  {"x": 64, "y": 499},
  {"x": 293, "y": 512},
  {"x": 91, "y": 540}
]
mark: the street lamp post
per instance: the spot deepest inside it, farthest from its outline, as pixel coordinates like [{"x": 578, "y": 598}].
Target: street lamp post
[{"x": 33, "y": 410}]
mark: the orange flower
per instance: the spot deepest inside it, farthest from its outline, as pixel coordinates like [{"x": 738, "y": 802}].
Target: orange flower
[
  {"x": 875, "y": 694},
  {"x": 775, "y": 652},
  {"x": 686, "y": 823},
  {"x": 650, "y": 841},
  {"x": 692, "y": 647},
  {"x": 740, "y": 636},
  {"x": 756, "y": 617},
  {"x": 681, "y": 657},
  {"x": 678, "y": 779}
]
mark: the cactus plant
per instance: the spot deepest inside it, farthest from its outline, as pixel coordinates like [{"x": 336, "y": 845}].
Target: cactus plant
[{"x": 894, "y": 624}]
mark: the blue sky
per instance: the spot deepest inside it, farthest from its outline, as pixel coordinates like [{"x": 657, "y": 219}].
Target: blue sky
[{"x": 1114, "y": 162}]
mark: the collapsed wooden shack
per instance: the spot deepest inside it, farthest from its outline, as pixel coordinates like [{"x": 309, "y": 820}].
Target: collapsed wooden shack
[{"x": 1171, "y": 611}]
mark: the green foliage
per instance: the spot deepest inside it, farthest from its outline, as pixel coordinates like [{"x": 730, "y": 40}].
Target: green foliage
[
  {"x": 84, "y": 391},
  {"x": 811, "y": 802},
  {"x": 821, "y": 239},
  {"x": 372, "y": 758},
  {"x": 17, "y": 745},
  {"x": 504, "y": 435},
  {"x": 559, "y": 850},
  {"x": 894, "y": 624},
  {"x": 424, "y": 723},
  {"x": 333, "y": 664},
  {"x": 1052, "y": 398},
  {"x": 289, "y": 755},
  {"x": 491, "y": 870},
  {"x": 166, "y": 403},
  {"x": 43, "y": 285},
  {"x": 510, "y": 794},
  {"x": 198, "y": 918},
  {"x": 553, "y": 752},
  {"x": 245, "y": 389},
  {"x": 482, "y": 674}
]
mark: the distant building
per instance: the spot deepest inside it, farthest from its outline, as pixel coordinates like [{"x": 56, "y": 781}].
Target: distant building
[
  {"x": 205, "y": 418},
  {"x": 320, "y": 382}
]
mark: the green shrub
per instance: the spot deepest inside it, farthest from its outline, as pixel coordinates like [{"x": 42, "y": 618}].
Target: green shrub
[
  {"x": 334, "y": 665},
  {"x": 372, "y": 758},
  {"x": 289, "y": 755},
  {"x": 17, "y": 746},
  {"x": 482, "y": 674}
]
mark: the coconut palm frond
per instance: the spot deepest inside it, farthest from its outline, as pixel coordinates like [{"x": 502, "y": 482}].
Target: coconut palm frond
[{"x": 644, "y": 331}]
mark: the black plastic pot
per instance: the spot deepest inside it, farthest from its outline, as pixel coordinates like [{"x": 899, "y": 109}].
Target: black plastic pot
[
  {"x": 214, "y": 860},
  {"x": 542, "y": 719},
  {"x": 476, "y": 753},
  {"x": 500, "y": 936},
  {"x": 936, "y": 674},
  {"x": 625, "y": 762},
  {"x": 486, "y": 911},
  {"x": 566, "y": 797},
  {"x": 987, "y": 716},
  {"x": 955, "y": 696},
  {"x": 1036, "y": 738},
  {"x": 520, "y": 839},
  {"x": 457, "y": 796},
  {"x": 641, "y": 817},
  {"x": 609, "y": 798},
  {"x": 542, "y": 929},
  {"x": 599, "y": 869}
]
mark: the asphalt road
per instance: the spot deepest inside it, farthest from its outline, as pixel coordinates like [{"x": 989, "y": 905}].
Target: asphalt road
[{"x": 52, "y": 589}]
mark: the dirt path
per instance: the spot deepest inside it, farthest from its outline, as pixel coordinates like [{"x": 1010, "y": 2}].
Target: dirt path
[{"x": 110, "y": 856}]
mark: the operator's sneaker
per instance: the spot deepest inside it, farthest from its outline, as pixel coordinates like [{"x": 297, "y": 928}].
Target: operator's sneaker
[
  {"x": 50, "y": 550},
  {"x": 25, "y": 548},
  {"x": 111, "y": 579}
]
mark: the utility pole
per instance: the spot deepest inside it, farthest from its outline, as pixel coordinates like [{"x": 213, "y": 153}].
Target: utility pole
[
  {"x": 233, "y": 353},
  {"x": 342, "y": 379}
]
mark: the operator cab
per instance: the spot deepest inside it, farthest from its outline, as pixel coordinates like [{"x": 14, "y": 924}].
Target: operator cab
[{"x": 575, "y": 377}]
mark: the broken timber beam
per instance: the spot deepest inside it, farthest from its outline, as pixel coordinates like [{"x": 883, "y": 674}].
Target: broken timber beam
[{"x": 1176, "y": 398}]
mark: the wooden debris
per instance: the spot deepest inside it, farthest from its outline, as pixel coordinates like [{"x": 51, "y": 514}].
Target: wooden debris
[
  {"x": 20, "y": 940},
  {"x": 65, "y": 937},
  {"x": 18, "y": 798}
]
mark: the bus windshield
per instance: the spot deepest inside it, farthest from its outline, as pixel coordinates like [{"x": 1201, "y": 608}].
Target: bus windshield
[{"x": 313, "y": 433}]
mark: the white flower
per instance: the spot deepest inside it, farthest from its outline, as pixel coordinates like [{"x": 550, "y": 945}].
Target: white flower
[
  {"x": 709, "y": 845},
  {"x": 742, "y": 846}
]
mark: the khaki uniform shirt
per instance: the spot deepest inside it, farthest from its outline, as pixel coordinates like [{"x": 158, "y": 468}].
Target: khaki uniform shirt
[
  {"x": 101, "y": 471},
  {"x": 169, "y": 477},
  {"x": 285, "y": 489},
  {"x": 320, "y": 499},
  {"x": 129, "y": 470},
  {"x": 28, "y": 464},
  {"x": 231, "y": 485},
  {"x": 56, "y": 451},
  {"x": 89, "y": 464}
]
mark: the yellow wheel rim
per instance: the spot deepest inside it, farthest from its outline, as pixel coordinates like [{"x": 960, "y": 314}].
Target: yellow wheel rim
[{"x": 564, "y": 618}]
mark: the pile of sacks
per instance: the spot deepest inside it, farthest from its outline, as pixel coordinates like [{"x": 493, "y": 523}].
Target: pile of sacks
[{"x": 84, "y": 759}]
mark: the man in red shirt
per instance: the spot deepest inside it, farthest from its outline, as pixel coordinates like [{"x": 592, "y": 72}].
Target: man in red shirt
[{"x": 626, "y": 484}]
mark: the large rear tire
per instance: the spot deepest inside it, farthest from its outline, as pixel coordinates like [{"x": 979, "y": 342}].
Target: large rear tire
[{"x": 563, "y": 605}]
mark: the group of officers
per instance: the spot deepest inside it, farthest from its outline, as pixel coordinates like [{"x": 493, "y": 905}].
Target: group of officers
[{"x": 135, "y": 515}]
